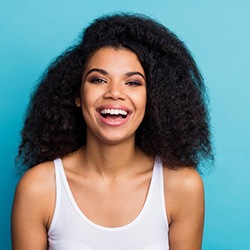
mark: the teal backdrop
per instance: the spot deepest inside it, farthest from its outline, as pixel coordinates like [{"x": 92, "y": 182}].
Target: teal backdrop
[{"x": 217, "y": 32}]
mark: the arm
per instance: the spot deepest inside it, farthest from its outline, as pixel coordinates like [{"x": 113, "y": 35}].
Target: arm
[
  {"x": 185, "y": 209},
  {"x": 32, "y": 210}
]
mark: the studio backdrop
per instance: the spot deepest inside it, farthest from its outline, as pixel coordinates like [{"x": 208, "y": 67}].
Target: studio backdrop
[{"x": 33, "y": 33}]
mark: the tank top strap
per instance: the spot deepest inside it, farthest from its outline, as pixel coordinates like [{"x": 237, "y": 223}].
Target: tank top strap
[
  {"x": 159, "y": 193},
  {"x": 60, "y": 177},
  {"x": 58, "y": 168}
]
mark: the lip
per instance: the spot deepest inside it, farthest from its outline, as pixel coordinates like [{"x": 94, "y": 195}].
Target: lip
[{"x": 114, "y": 122}]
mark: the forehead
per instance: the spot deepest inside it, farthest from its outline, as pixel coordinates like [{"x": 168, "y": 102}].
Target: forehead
[{"x": 114, "y": 58}]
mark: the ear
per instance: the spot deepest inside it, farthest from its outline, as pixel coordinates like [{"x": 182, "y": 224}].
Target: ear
[{"x": 78, "y": 102}]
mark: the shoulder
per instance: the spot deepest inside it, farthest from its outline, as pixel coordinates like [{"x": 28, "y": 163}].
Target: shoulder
[
  {"x": 33, "y": 207},
  {"x": 37, "y": 179},
  {"x": 185, "y": 180},
  {"x": 184, "y": 191},
  {"x": 35, "y": 192}
]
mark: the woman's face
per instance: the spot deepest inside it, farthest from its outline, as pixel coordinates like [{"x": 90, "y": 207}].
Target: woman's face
[{"x": 113, "y": 95}]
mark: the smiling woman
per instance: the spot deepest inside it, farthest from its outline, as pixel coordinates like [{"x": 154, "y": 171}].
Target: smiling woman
[
  {"x": 113, "y": 94},
  {"x": 112, "y": 139}
]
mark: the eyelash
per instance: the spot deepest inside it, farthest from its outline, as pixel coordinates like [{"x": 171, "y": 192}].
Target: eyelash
[
  {"x": 97, "y": 80},
  {"x": 133, "y": 83},
  {"x": 101, "y": 81}
]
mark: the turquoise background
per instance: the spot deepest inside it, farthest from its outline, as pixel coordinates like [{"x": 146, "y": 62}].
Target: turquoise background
[{"x": 217, "y": 32}]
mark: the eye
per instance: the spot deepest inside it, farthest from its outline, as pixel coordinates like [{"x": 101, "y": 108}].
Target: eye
[
  {"x": 133, "y": 83},
  {"x": 97, "y": 80}
]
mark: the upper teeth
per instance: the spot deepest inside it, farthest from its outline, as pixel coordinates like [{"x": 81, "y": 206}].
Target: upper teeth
[{"x": 114, "y": 111}]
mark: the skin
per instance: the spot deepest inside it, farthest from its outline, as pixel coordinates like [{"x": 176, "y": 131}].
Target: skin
[{"x": 110, "y": 170}]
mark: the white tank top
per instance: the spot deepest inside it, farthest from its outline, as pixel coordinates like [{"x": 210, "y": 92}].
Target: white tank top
[{"x": 70, "y": 229}]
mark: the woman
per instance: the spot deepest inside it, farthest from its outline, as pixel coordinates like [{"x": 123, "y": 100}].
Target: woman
[{"x": 115, "y": 131}]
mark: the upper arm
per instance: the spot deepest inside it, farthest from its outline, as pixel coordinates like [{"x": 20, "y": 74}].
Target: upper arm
[
  {"x": 31, "y": 211},
  {"x": 185, "y": 207}
]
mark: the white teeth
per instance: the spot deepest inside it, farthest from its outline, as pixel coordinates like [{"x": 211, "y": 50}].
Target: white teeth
[{"x": 114, "y": 111}]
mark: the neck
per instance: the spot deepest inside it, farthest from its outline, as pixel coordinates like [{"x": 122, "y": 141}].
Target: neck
[{"x": 111, "y": 160}]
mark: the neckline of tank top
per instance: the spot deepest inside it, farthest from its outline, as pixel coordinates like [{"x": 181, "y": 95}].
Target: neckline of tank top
[{"x": 105, "y": 228}]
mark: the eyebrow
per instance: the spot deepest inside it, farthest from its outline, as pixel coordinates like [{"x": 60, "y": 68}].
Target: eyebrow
[{"x": 104, "y": 72}]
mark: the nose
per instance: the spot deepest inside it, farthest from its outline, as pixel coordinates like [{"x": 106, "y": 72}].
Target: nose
[{"x": 115, "y": 91}]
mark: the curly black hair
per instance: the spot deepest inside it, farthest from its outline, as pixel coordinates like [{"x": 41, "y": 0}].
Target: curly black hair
[{"x": 176, "y": 126}]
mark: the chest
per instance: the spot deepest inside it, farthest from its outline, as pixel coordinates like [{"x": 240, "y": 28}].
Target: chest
[
  {"x": 78, "y": 222},
  {"x": 111, "y": 204}
]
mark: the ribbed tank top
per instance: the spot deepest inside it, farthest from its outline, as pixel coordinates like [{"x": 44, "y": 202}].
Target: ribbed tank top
[{"x": 70, "y": 229}]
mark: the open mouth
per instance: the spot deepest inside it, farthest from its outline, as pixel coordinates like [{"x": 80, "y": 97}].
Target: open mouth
[{"x": 113, "y": 113}]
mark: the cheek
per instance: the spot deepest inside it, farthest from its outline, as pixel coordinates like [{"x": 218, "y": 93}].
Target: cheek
[
  {"x": 87, "y": 97},
  {"x": 141, "y": 100},
  {"x": 86, "y": 102}
]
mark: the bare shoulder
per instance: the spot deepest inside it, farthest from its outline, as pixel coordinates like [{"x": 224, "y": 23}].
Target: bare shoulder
[
  {"x": 184, "y": 192},
  {"x": 37, "y": 179},
  {"x": 35, "y": 192},
  {"x": 183, "y": 180},
  {"x": 33, "y": 207}
]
